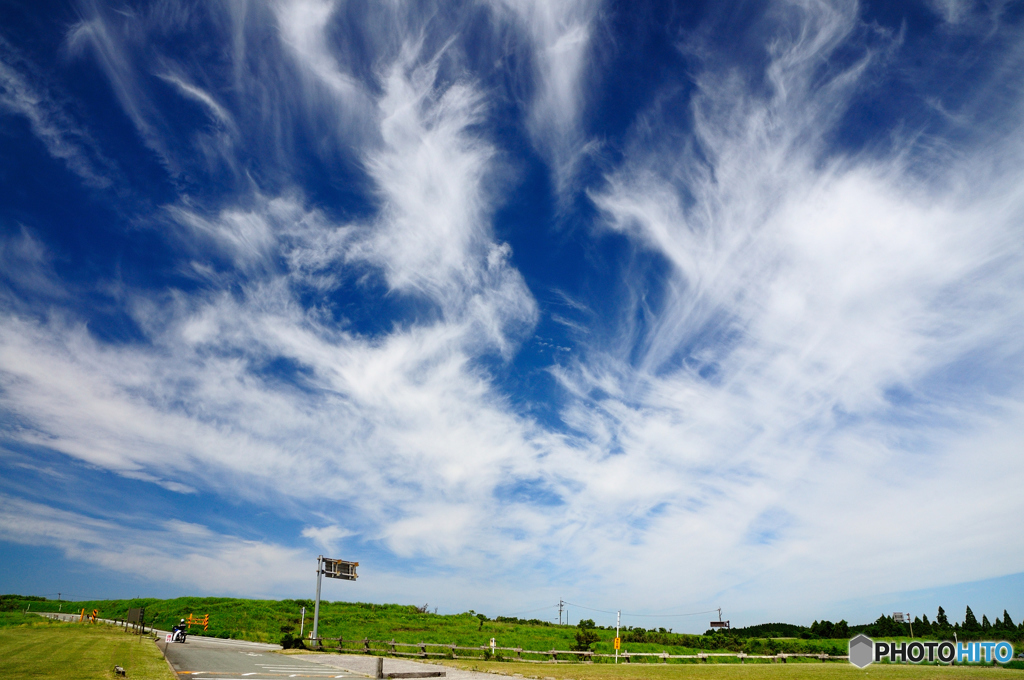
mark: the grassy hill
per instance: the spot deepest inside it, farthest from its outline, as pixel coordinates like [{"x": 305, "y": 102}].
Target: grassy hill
[{"x": 270, "y": 620}]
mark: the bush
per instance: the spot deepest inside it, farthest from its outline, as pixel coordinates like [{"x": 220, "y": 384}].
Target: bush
[
  {"x": 291, "y": 642},
  {"x": 585, "y": 636}
]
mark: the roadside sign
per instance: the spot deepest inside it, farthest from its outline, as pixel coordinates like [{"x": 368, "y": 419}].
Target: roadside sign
[
  {"x": 169, "y": 636},
  {"x": 618, "y": 643},
  {"x": 340, "y": 569}
]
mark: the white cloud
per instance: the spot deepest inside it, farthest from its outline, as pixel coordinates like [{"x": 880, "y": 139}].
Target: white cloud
[
  {"x": 20, "y": 94},
  {"x": 186, "y": 555},
  {"x": 197, "y": 94},
  {"x": 327, "y": 537},
  {"x": 802, "y": 366},
  {"x": 560, "y": 33},
  {"x": 829, "y": 325}
]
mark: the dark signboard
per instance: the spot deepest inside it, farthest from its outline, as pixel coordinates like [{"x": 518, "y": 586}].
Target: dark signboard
[{"x": 340, "y": 569}]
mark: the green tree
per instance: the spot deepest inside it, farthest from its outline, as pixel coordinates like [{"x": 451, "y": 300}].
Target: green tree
[
  {"x": 941, "y": 620},
  {"x": 841, "y": 630},
  {"x": 970, "y": 623},
  {"x": 1007, "y": 621},
  {"x": 823, "y": 629},
  {"x": 985, "y": 625},
  {"x": 585, "y": 636}
]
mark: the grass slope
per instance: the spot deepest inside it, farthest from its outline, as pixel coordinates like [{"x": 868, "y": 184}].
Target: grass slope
[
  {"x": 269, "y": 620},
  {"x": 32, "y": 647}
]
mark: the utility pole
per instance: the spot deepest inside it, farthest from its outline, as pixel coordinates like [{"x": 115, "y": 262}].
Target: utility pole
[
  {"x": 316, "y": 608},
  {"x": 560, "y": 604},
  {"x": 618, "y": 617}
]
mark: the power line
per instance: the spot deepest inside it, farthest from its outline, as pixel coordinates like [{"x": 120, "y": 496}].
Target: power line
[
  {"x": 550, "y": 606},
  {"x": 605, "y": 611},
  {"x": 591, "y": 609},
  {"x": 709, "y": 611}
]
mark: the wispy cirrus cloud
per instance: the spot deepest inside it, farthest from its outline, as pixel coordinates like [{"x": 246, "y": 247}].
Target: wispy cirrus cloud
[
  {"x": 819, "y": 307},
  {"x": 795, "y": 340},
  {"x": 50, "y": 122},
  {"x": 559, "y": 35},
  {"x": 168, "y": 553}
]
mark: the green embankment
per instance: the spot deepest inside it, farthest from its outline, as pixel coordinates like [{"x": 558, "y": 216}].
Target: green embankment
[
  {"x": 32, "y": 647},
  {"x": 270, "y": 620}
]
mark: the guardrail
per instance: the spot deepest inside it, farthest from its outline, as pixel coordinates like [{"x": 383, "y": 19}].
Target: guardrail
[{"x": 452, "y": 651}]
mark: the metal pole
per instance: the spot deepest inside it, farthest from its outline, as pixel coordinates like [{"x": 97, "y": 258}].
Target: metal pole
[
  {"x": 618, "y": 616},
  {"x": 316, "y": 609},
  {"x": 302, "y": 623}
]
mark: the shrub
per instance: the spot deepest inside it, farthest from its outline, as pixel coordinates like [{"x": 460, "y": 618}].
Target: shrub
[{"x": 291, "y": 642}]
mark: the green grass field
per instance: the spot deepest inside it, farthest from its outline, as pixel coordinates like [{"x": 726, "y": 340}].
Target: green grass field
[
  {"x": 735, "y": 671},
  {"x": 32, "y": 647},
  {"x": 269, "y": 620}
]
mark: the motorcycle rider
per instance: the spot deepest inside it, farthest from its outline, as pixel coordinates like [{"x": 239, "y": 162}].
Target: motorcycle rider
[{"x": 178, "y": 632}]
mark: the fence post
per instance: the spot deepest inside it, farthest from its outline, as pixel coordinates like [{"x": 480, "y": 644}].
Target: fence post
[
  {"x": 664, "y": 657},
  {"x": 453, "y": 652},
  {"x": 519, "y": 653},
  {"x": 423, "y": 649},
  {"x": 366, "y": 645},
  {"x": 392, "y": 645},
  {"x": 380, "y": 667}
]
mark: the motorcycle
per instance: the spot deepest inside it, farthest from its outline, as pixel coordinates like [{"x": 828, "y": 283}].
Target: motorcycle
[{"x": 178, "y": 634}]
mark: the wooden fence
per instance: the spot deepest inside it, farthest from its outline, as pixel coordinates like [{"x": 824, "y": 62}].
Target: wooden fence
[{"x": 451, "y": 651}]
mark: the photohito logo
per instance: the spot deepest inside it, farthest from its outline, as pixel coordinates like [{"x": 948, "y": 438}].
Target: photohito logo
[{"x": 864, "y": 651}]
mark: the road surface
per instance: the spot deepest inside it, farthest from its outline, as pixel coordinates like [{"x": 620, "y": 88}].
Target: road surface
[{"x": 200, "y": 658}]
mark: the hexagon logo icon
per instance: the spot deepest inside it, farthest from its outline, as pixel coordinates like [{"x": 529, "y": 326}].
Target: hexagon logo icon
[{"x": 862, "y": 650}]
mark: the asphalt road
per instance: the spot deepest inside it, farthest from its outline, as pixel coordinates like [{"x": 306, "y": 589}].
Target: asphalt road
[{"x": 217, "y": 659}]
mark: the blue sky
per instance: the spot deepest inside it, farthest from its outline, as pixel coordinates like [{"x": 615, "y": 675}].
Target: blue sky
[{"x": 652, "y": 306}]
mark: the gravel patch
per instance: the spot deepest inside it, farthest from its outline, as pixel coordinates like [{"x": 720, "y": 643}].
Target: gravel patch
[{"x": 367, "y": 665}]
